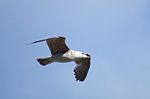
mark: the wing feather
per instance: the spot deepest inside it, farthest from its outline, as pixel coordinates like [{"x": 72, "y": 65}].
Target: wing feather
[
  {"x": 56, "y": 44},
  {"x": 81, "y": 69}
]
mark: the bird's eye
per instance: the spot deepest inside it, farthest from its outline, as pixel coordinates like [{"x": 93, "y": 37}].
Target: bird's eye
[{"x": 82, "y": 53}]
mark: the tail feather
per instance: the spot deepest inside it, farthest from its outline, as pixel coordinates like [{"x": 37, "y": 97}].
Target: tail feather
[{"x": 44, "y": 61}]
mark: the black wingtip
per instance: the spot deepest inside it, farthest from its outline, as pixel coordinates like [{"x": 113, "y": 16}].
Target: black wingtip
[
  {"x": 78, "y": 78},
  {"x": 37, "y": 41}
]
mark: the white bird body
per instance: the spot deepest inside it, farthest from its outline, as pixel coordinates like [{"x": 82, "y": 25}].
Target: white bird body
[
  {"x": 69, "y": 56},
  {"x": 74, "y": 55}
]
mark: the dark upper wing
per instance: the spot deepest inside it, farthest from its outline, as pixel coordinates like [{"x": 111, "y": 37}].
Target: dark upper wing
[
  {"x": 56, "y": 45},
  {"x": 81, "y": 69}
]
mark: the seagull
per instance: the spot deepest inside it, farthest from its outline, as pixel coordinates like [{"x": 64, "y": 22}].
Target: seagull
[{"x": 60, "y": 52}]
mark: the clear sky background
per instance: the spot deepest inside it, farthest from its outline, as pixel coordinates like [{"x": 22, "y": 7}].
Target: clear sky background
[{"x": 115, "y": 32}]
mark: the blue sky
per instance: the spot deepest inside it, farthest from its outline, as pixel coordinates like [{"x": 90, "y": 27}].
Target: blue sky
[{"x": 115, "y": 32}]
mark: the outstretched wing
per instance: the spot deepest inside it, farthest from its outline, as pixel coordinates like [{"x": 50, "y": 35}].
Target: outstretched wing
[
  {"x": 56, "y": 45},
  {"x": 81, "y": 69}
]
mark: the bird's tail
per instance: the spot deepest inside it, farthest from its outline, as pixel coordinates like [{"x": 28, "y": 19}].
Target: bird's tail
[{"x": 44, "y": 61}]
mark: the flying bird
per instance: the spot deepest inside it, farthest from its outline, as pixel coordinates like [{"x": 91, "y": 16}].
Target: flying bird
[{"x": 60, "y": 52}]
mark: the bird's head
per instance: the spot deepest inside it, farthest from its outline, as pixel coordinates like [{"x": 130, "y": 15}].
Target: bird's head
[{"x": 82, "y": 55}]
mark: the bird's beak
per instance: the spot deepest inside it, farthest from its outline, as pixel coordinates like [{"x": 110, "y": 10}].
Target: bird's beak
[{"x": 87, "y": 55}]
